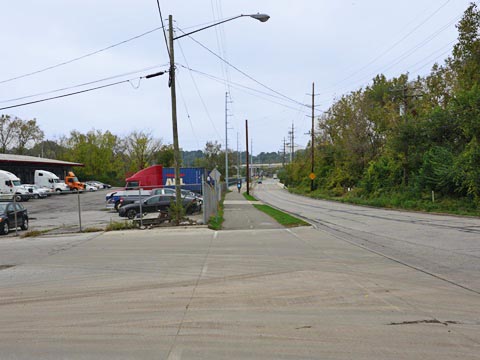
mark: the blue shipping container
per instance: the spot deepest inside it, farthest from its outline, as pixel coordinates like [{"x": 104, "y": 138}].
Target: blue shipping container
[{"x": 190, "y": 178}]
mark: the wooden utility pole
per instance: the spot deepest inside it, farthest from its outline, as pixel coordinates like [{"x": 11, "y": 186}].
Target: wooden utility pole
[
  {"x": 176, "y": 148},
  {"x": 248, "y": 172}
]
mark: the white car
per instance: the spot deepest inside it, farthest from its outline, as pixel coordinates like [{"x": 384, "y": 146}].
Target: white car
[
  {"x": 36, "y": 192},
  {"x": 89, "y": 187}
]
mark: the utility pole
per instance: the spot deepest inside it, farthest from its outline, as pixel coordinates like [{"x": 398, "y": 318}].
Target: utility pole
[
  {"x": 292, "y": 143},
  {"x": 403, "y": 112},
  {"x": 312, "y": 132},
  {"x": 284, "y": 151},
  {"x": 176, "y": 149},
  {"x": 238, "y": 160},
  {"x": 226, "y": 138},
  {"x": 246, "y": 143}
]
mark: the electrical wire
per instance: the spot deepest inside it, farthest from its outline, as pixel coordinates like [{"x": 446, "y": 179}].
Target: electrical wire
[
  {"x": 188, "y": 113},
  {"x": 429, "y": 62},
  {"x": 242, "y": 72},
  {"x": 81, "y": 91},
  {"x": 391, "y": 47},
  {"x": 163, "y": 27},
  {"x": 79, "y": 57},
  {"x": 240, "y": 86},
  {"x": 94, "y": 52},
  {"x": 402, "y": 56},
  {"x": 82, "y": 85},
  {"x": 198, "y": 92}
]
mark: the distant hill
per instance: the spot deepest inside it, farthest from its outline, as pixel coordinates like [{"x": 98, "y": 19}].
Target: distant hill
[{"x": 188, "y": 157}]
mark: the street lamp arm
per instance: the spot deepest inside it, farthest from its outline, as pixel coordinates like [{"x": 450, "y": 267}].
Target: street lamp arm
[{"x": 259, "y": 17}]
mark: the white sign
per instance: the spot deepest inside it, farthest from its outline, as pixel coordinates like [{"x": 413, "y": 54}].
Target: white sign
[{"x": 215, "y": 175}]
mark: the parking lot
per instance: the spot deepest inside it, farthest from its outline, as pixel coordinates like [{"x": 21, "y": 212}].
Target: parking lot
[{"x": 59, "y": 213}]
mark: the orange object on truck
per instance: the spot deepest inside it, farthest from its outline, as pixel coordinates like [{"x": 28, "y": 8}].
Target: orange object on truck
[{"x": 72, "y": 181}]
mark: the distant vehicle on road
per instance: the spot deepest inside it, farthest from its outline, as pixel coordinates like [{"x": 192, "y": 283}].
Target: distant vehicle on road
[{"x": 7, "y": 217}]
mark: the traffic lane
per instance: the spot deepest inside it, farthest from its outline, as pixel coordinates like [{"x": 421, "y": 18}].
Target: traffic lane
[
  {"x": 62, "y": 211},
  {"x": 199, "y": 294},
  {"x": 445, "y": 246}
]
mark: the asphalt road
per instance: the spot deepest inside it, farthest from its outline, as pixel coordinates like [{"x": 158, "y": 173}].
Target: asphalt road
[{"x": 446, "y": 247}]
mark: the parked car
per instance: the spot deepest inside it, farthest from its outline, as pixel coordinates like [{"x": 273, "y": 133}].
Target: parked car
[
  {"x": 163, "y": 191},
  {"x": 99, "y": 185},
  {"x": 185, "y": 194},
  {"x": 155, "y": 203},
  {"x": 113, "y": 200},
  {"x": 37, "y": 192},
  {"x": 89, "y": 187},
  {"x": 7, "y": 217}
]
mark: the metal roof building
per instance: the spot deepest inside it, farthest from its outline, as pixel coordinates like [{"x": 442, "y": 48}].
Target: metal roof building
[{"x": 24, "y": 166}]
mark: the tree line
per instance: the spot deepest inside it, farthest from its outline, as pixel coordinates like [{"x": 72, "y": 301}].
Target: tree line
[
  {"x": 108, "y": 157},
  {"x": 402, "y": 135}
]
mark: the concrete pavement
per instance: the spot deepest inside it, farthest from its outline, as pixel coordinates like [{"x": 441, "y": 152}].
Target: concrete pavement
[
  {"x": 251, "y": 294},
  {"x": 192, "y": 293},
  {"x": 240, "y": 214}
]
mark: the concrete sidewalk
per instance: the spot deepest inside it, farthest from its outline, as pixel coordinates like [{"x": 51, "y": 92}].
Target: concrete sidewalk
[{"x": 240, "y": 214}]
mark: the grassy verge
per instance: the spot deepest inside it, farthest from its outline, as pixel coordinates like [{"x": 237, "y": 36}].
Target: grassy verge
[
  {"x": 401, "y": 201},
  {"x": 282, "y": 218},
  {"x": 120, "y": 225},
  {"x": 35, "y": 233},
  {"x": 249, "y": 197},
  {"x": 215, "y": 222}
]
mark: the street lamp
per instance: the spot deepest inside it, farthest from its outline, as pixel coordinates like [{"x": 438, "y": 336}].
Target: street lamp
[{"x": 176, "y": 148}]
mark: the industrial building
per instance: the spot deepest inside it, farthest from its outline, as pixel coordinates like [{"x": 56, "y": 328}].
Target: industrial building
[{"x": 24, "y": 166}]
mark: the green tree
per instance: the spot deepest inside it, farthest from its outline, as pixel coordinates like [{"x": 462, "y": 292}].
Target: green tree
[
  {"x": 165, "y": 156},
  {"x": 27, "y": 132},
  {"x": 8, "y": 127},
  {"x": 141, "y": 147}
]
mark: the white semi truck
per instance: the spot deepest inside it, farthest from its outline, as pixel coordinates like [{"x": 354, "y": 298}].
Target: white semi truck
[
  {"x": 50, "y": 180},
  {"x": 11, "y": 185}
]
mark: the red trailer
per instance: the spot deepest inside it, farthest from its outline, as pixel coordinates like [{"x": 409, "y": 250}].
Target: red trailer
[{"x": 149, "y": 178}]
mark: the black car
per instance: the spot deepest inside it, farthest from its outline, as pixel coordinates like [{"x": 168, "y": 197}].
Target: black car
[
  {"x": 155, "y": 203},
  {"x": 7, "y": 217}
]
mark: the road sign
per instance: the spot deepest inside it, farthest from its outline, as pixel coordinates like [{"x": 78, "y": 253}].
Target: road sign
[
  {"x": 312, "y": 176},
  {"x": 215, "y": 175}
]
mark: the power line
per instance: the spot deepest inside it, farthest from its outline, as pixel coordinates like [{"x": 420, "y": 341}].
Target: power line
[
  {"x": 188, "y": 114},
  {"x": 82, "y": 91},
  {"x": 163, "y": 27},
  {"x": 79, "y": 57},
  {"x": 404, "y": 55},
  {"x": 198, "y": 92},
  {"x": 391, "y": 47},
  {"x": 82, "y": 85},
  {"x": 244, "y": 73},
  {"x": 240, "y": 86}
]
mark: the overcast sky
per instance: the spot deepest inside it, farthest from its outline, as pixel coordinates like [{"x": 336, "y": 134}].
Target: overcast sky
[{"x": 338, "y": 44}]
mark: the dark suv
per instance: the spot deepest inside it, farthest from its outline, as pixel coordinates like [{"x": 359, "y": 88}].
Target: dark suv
[{"x": 7, "y": 217}]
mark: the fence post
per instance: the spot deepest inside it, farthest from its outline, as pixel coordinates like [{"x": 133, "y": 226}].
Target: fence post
[
  {"x": 140, "y": 205},
  {"x": 79, "y": 210},
  {"x": 205, "y": 200}
]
